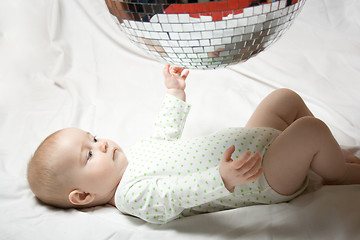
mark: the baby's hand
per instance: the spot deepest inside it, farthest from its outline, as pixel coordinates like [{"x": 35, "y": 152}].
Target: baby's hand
[
  {"x": 175, "y": 77},
  {"x": 243, "y": 170},
  {"x": 175, "y": 80}
]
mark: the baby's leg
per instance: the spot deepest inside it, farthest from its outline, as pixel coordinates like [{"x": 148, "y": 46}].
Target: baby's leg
[
  {"x": 278, "y": 110},
  {"x": 306, "y": 144},
  {"x": 350, "y": 157}
]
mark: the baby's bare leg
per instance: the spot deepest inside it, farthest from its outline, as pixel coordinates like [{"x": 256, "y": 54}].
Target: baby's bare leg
[
  {"x": 306, "y": 144},
  {"x": 298, "y": 148},
  {"x": 350, "y": 157},
  {"x": 278, "y": 110}
]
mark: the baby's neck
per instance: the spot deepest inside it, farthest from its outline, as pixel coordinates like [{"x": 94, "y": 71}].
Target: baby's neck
[{"x": 112, "y": 200}]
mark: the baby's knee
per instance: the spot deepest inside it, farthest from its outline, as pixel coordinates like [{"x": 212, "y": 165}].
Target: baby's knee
[
  {"x": 314, "y": 125},
  {"x": 289, "y": 98},
  {"x": 287, "y": 94}
]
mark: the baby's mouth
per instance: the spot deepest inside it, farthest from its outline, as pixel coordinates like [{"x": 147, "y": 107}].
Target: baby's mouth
[{"x": 114, "y": 154}]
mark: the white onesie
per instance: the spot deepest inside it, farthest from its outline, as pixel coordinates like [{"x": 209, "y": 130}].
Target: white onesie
[{"x": 168, "y": 178}]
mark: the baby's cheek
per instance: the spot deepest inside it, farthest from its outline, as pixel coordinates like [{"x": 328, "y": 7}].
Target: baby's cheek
[
  {"x": 101, "y": 170},
  {"x": 97, "y": 170},
  {"x": 105, "y": 171}
]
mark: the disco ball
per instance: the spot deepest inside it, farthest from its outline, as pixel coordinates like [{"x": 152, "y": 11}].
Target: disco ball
[{"x": 204, "y": 34}]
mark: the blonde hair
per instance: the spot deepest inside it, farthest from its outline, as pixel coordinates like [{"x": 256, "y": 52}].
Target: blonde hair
[{"x": 45, "y": 181}]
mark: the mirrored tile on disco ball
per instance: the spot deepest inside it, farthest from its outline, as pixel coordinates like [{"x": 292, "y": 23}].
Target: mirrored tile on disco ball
[{"x": 204, "y": 34}]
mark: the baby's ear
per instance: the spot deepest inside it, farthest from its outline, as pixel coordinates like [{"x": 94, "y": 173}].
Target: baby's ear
[{"x": 78, "y": 197}]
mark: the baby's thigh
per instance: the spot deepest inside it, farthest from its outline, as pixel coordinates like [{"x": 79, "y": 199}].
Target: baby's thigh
[
  {"x": 287, "y": 160},
  {"x": 277, "y": 110}
]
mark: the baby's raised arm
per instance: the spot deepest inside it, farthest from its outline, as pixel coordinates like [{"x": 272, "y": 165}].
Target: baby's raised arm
[
  {"x": 175, "y": 81},
  {"x": 174, "y": 110}
]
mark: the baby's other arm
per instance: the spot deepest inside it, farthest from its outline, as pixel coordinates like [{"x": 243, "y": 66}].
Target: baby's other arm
[
  {"x": 160, "y": 199},
  {"x": 243, "y": 170},
  {"x": 175, "y": 81}
]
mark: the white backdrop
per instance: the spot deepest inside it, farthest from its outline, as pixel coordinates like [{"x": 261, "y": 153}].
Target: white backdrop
[{"x": 65, "y": 63}]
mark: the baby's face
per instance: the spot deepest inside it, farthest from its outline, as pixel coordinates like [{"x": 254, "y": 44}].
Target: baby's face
[{"x": 94, "y": 165}]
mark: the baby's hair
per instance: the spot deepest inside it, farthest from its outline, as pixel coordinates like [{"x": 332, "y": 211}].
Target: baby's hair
[{"x": 44, "y": 178}]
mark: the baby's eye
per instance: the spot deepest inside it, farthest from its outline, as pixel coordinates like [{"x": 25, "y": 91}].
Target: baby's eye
[
  {"x": 95, "y": 139},
  {"x": 89, "y": 155}
]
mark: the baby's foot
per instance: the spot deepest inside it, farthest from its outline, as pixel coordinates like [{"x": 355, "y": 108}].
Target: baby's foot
[{"x": 350, "y": 157}]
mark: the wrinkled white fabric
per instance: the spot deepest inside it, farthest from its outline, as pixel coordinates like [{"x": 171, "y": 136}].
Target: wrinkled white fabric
[{"x": 65, "y": 63}]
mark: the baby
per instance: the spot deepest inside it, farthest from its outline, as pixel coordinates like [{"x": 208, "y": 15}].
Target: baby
[{"x": 163, "y": 177}]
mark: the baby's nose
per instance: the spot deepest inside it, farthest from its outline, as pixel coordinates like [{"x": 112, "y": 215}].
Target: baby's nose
[{"x": 104, "y": 146}]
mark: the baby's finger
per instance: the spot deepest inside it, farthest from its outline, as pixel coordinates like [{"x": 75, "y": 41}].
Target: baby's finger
[
  {"x": 185, "y": 73},
  {"x": 239, "y": 163},
  {"x": 227, "y": 154},
  {"x": 253, "y": 170},
  {"x": 249, "y": 162},
  {"x": 166, "y": 70},
  {"x": 254, "y": 161},
  {"x": 256, "y": 175},
  {"x": 176, "y": 70}
]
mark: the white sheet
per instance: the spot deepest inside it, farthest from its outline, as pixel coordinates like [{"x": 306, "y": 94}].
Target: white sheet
[{"x": 65, "y": 63}]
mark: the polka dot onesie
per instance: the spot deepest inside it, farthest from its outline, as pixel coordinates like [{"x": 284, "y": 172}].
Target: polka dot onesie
[{"x": 169, "y": 178}]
